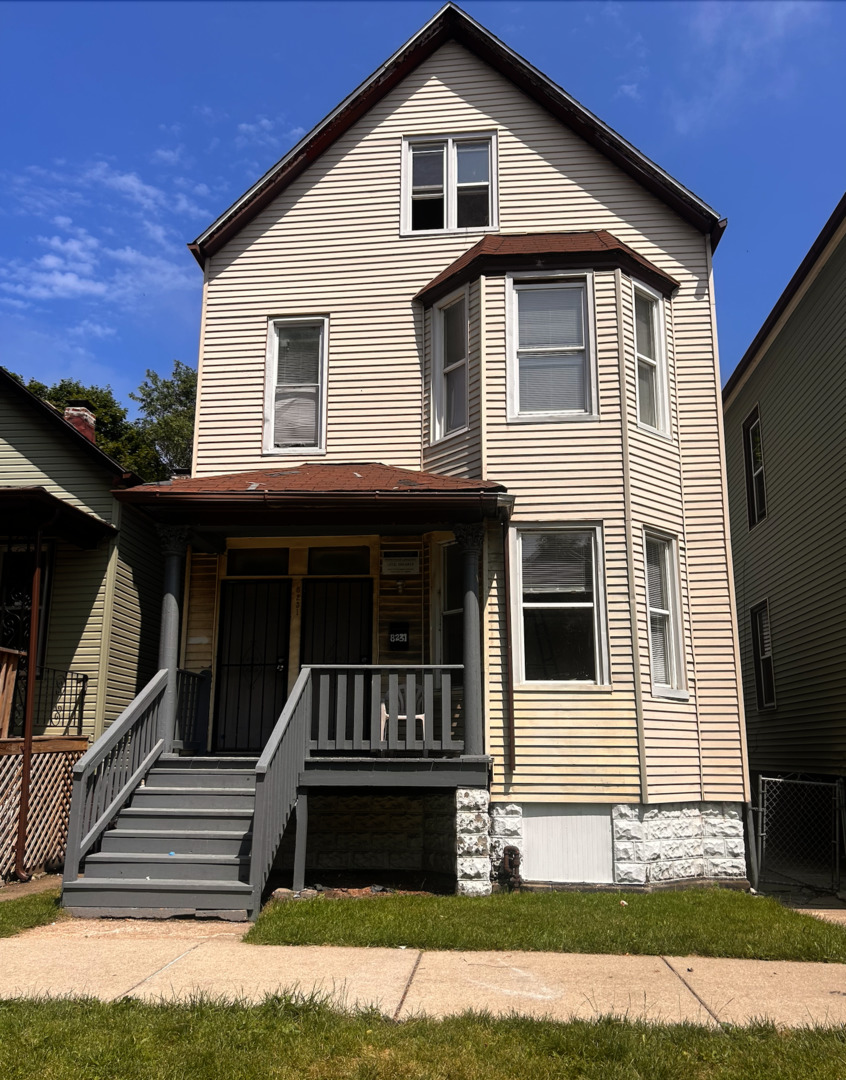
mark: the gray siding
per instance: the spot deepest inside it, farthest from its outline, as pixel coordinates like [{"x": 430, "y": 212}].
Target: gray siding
[{"x": 796, "y": 557}]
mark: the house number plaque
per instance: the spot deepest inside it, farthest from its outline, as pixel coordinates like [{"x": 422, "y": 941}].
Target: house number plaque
[
  {"x": 400, "y": 564},
  {"x": 398, "y": 635}
]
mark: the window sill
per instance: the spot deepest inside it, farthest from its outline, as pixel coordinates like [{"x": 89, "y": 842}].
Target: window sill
[
  {"x": 438, "y": 440},
  {"x": 295, "y": 451},
  {"x": 477, "y": 230},
  {"x": 553, "y": 418},
  {"x": 657, "y": 432},
  {"x": 668, "y": 693},
  {"x": 570, "y": 687}
]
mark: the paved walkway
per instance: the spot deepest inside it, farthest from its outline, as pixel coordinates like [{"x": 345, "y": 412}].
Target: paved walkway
[{"x": 112, "y": 959}]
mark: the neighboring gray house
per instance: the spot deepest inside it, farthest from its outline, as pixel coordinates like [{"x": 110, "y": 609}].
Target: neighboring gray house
[{"x": 785, "y": 452}]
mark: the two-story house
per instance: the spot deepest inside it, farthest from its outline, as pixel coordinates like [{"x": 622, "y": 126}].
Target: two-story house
[
  {"x": 785, "y": 440},
  {"x": 454, "y": 543}
]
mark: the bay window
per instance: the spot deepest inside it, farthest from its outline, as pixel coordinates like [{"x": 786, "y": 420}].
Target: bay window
[
  {"x": 652, "y": 404},
  {"x": 450, "y": 362}
]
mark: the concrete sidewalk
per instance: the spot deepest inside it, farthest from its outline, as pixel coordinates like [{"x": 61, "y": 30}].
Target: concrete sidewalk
[{"x": 112, "y": 959}]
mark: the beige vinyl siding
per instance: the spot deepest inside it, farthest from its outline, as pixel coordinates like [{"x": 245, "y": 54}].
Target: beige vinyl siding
[
  {"x": 330, "y": 245},
  {"x": 795, "y": 558},
  {"x": 136, "y": 610}
]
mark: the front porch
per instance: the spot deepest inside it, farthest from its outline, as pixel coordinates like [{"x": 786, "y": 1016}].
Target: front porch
[{"x": 299, "y": 655}]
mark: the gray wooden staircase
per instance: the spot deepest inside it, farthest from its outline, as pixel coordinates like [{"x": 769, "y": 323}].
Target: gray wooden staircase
[{"x": 181, "y": 846}]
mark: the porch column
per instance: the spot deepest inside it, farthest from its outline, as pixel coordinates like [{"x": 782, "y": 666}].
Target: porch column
[
  {"x": 173, "y": 541},
  {"x": 470, "y": 539}
]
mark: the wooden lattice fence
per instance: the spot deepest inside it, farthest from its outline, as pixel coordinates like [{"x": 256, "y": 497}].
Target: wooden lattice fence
[{"x": 53, "y": 760}]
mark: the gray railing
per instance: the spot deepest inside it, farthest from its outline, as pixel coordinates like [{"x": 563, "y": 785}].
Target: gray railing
[
  {"x": 387, "y": 709},
  {"x": 277, "y": 776},
  {"x": 193, "y": 693},
  {"x": 106, "y": 776}
]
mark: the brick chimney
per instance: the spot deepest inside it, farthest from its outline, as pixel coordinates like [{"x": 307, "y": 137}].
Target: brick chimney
[{"x": 79, "y": 414}]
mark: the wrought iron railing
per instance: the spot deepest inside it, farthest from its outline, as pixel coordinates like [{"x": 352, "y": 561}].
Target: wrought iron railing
[
  {"x": 59, "y": 701},
  {"x": 277, "y": 777},
  {"x": 193, "y": 693},
  {"x": 106, "y": 776},
  {"x": 369, "y": 709}
]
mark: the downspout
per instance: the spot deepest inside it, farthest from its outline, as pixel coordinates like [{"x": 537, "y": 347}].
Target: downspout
[
  {"x": 508, "y": 696},
  {"x": 31, "y": 665}
]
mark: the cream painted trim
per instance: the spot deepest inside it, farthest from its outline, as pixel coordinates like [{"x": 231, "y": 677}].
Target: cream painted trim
[
  {"x": 721, "y": 450},
  {"x": 200, "y": 366},
  {"x": 637, "y": 673},
  {"x": 483, "y": 381},
  {"x": 186, "y": 599},
  {"x": 512, "y": 283},
  {"x": 795, "y": 300}
]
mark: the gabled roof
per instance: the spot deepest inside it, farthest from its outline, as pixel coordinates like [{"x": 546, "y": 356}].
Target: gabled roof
[
  {"x": 451, "y": 23},
  {"x": 812, "y": 262},
  {"x": 10, "y": 386},
  {"x": 544, "y": 251}
]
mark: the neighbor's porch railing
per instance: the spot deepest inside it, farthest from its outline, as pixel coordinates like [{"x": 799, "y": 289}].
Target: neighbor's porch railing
[
  {"x": 277, "y": 778},
  {"x": 59, "y": 701},
  {"x": 106, "y": 776},
  {"x": 387, "y": 709}
]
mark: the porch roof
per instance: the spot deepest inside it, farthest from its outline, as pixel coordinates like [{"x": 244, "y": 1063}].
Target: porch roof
[
  {"x": 320, "y": 493},
  {"x": 25, "y": 510},
  {"x": 545, "y": 251}
]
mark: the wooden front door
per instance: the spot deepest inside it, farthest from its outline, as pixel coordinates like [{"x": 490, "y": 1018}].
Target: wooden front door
[{"x": 252, "y": 672}]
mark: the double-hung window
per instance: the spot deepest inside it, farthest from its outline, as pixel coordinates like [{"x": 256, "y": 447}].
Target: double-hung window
[
  {"x": 296, "y": 384},
  {"x": 652, "y": 408},
  {"x": 753, "y": 460},
  {"x": 551, "y": 350},
  {"x": 762, "y": 654},
  {"x": 561, "y": 618},
  {"x": 450, "y": 361},
  {"x": 449, "y": 184},
  {"x": 664, "y": 625}
]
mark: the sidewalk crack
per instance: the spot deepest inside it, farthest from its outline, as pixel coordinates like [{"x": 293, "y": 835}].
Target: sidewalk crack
[
  {"x": 687, "y": 986},
  {"x": 398, "y": 1009},
  {"x": 158, "y": 971}
]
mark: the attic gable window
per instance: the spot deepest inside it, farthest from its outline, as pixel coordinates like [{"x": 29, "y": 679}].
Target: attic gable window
[
  {"x": 449, "y": 184},
  {"x": 296, "y": 385}
]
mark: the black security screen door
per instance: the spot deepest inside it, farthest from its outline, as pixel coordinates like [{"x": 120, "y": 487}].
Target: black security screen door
[
  {"x": 252, "y": 673},
  {"x": 337, "y": 621}
]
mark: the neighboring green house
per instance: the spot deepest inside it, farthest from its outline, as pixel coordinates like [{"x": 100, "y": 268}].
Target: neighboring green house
[
  {"x": 785, "y": 452},
  {"x": 100, "y": 568}
]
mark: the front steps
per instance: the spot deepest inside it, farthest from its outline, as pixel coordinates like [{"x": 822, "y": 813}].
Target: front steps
[{"x": 181, "y": 847}]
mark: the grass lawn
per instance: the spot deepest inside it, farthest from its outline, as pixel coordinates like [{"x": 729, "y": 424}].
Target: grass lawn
[
  {"x": 37, "y": 910},
  {"x": 701, "y": 922},
  {"x": 69, "y": 1040}
]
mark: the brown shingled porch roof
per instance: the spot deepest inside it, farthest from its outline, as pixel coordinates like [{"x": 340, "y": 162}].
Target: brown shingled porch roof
[
  {"x": 545, "y": 251},
  {"x": 359, "y": 492}
]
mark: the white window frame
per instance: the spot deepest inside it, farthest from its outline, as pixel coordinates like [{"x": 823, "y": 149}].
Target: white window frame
[
  {"x": 439, "y": 399},
  {"x": 600, "y": 607},
  {"x": 271, "y": 365},
  {"x": 758, "y": 655},
  {"x": 549, "y": 279},
  {"x": 439, "y": 595},
  {"x": 676, "y": 689},
  {"x": 662, "y": 381},
  {"x": 755, "y": 513},
  {"x": 450, "y": 183}
]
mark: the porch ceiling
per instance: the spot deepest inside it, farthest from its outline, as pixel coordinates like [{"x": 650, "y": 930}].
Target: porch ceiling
[
  {"x": 25, "y": 510},
  {"x": 368, "y": 494}
]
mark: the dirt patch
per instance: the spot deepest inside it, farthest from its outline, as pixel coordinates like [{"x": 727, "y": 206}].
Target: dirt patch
[{"x": 14, "y": 890}]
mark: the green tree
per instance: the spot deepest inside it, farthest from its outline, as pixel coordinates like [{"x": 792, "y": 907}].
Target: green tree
[{"x": 167, "y": 414}]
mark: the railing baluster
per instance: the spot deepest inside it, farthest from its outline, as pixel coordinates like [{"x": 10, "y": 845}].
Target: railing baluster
[
  {"x": 341, "y": 739},
  {"x": 323, "y": 714},
  {"x": 429, "y": 712},
  {"x": 393, "y": 712},
  {"x": 377, "y": 735},
  {"x": 358, "y": 711},
  {"x": 411, "y": 740}
]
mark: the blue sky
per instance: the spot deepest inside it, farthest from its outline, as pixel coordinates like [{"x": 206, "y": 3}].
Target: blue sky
[{"x": 129, "y": 127}]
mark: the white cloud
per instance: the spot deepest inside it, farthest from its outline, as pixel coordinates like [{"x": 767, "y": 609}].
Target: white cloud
[
  {"x": 128, "y": 184},
  {"x": 167, "y": 156},
  {"x": 89, "y": 329},
  {"x": 266, "y": 132},
  {"x": 629, "y": 90},
  {"x": 742, "y": 50}
]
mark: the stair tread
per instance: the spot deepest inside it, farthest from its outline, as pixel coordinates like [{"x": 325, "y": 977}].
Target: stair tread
[
  {"x": 180, "y": 811},
  {"x": 197, "y": 790},
  {"x": 159, "y": 884},
  {"x": 159, "y": 856},
  {"x": 185, "y": 834}
]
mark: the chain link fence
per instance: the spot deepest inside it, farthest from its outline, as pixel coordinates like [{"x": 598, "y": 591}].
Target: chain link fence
[{"x": 800, "y": 828}]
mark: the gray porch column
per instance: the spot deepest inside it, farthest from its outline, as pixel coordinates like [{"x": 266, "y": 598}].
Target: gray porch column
[
  {"x": 173, "y": 541},
  {"x": 470, "y": 539}
]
